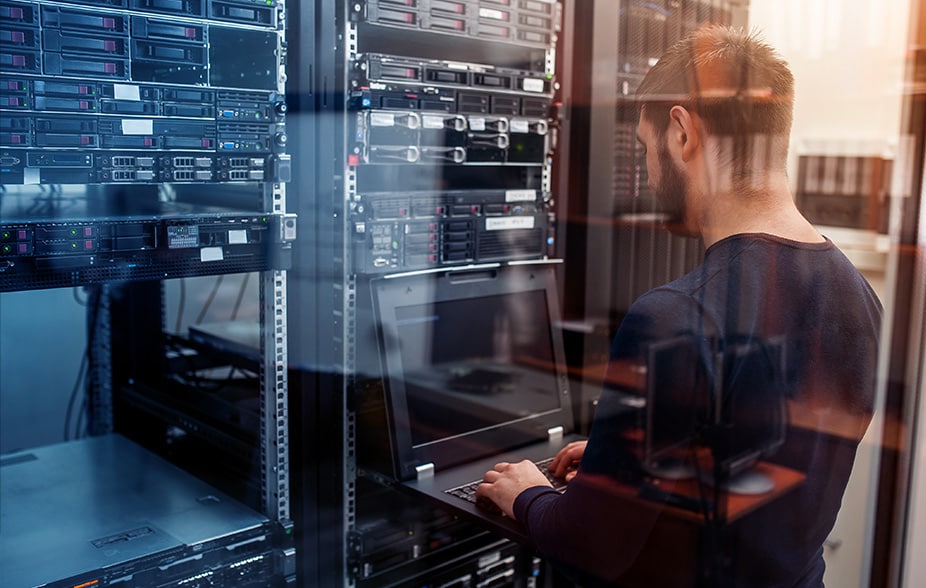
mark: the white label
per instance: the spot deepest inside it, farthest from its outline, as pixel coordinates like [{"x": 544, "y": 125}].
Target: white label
[
  {"x": 520, "y": 195},
  {"x": 432, "y": 122},
  {"x": 382, "y": 119},
  {"x": 509, "y": 222},
  {"x": 238, "y": 237},
  {"x": 137, "y": 126},
  {"x": 211, "y": 254},
  {"x": 32, "y": 175},
  {"x": 532, "y": 85},
  {"x": 477, "y": 124},
  {"x": 490, "y": 13},
  {"x": 126, "y": 92},
  {"x": 519, "y": 126},
  {"x": 377, "y": 86}
]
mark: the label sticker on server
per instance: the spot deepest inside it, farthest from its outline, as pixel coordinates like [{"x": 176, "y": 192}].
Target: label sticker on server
[
  {"x": 477, "y": 123},
  {"x": 509, "y": 222},
  {"x": 432, "y": 122},
  {"x": 382, "y": 119},
  {"x": 238, "y": 237},
  {"x": 532, "y": 85},
  {"x": 520, "y": 195},
  {"x": 211, "y": 254},
  {"x": 126, "y": 92},
  {"x": 519, "y": 126},
  {"x": 139, "y": 126}
]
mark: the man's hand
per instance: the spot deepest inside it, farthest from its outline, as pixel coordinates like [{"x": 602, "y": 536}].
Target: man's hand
[
  {"x": 506, "y": 480},
  {"x": 567, "y": 460}
]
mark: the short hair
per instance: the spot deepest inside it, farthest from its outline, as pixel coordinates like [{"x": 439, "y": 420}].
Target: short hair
[{"x": 736, "y": 83}]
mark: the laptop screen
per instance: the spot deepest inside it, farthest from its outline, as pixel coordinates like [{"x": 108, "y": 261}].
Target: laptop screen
[{"x": 473, "y": 363}]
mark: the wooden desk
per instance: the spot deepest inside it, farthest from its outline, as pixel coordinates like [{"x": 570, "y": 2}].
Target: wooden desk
[
  {"x": 676, "y": 550},
  {"x": 737, "y": 505}
]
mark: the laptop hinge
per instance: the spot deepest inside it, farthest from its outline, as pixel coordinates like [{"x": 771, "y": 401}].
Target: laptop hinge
[
  {"x": 425, "y": 470},
  {"x": 555, "y": 433}
]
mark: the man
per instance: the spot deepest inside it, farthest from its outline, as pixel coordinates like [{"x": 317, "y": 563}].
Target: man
[{"x": 715, "y": 119}]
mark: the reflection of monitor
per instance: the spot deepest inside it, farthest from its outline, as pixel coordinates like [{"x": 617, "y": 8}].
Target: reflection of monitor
[
  {"x": 676, "y": 399},
  {"x": 750, "y": 415},
  {"x": 473, "y": 363},
  {"x": 459, "y": 359}
]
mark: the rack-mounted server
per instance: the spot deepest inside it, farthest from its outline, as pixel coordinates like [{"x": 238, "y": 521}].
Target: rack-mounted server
[
  {"x": 523, "y": 22},
  {"x": 44, "y": 251},
  {"x": 146, "y": 84},
  {"x": 395, "y": 232}
]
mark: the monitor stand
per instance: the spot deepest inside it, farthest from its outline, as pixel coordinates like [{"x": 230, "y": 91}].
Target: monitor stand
[
  {"x": 671, "y": 468},
  {"x": 749, "y": 482}
]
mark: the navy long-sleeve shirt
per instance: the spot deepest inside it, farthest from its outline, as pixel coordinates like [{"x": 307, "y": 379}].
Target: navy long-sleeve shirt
[{"x": 753, "y": 287}]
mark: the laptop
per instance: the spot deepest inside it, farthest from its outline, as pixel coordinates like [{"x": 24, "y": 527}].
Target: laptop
[{"x": 474, "y": 374}]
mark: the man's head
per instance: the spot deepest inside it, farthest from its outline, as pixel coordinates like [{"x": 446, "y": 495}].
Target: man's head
[{"x": 725, "y": 96}]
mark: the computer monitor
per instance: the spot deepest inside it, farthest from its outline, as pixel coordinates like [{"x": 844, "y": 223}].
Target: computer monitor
[
  {"x": 473, "y": 363},
  {"x": 677, "y": 406},
  {"x": 750, "y": 413}
]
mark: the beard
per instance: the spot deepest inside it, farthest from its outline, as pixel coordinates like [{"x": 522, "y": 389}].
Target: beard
[{"x": 670, "y": 193}]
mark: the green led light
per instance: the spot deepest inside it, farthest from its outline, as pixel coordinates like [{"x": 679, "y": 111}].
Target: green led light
[{"x": 6, "y": 235}]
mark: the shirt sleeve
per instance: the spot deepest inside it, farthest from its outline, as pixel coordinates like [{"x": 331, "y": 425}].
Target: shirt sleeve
[{"x": 597, "y": 525}]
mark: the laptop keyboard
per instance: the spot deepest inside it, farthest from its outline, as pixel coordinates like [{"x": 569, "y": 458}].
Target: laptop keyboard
[{"x": 468, "y": 491}]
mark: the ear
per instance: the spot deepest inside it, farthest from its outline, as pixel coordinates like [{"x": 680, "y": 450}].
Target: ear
[{"x": 683, "y": 132}]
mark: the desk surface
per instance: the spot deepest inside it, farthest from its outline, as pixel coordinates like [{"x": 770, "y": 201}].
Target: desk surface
[{"x": 737, "y": 505}]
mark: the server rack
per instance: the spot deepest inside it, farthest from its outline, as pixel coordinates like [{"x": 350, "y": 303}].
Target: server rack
[
  {"x": 143, "y": 141},
  {"x": 616, "y": 230},
  {"x": 433, "y": 129}
]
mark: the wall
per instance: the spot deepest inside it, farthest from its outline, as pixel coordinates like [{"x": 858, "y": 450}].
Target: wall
[
  {"x": 42, "y": 340},
  {"x": 848, "y": 60}
]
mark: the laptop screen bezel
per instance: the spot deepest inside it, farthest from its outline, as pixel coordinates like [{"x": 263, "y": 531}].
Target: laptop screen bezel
[{"x": 392, "y": 293}]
